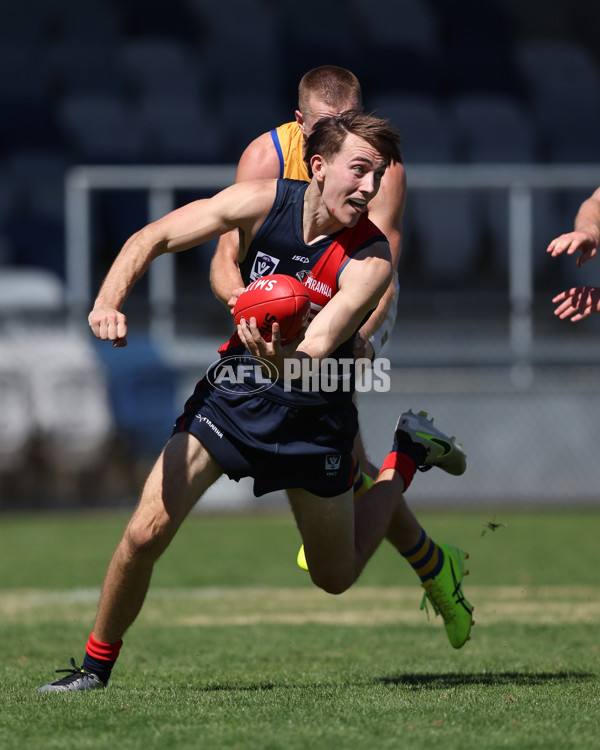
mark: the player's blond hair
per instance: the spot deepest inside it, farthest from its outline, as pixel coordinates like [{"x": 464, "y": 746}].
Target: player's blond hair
[{"x": 336, "y": 87}]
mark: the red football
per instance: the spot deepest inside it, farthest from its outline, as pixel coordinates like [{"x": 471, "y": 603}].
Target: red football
[{"x": 275, "y": 298}]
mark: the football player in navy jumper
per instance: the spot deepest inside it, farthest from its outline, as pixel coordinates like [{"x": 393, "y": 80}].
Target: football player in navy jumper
[{"x": 286, "y": 436}]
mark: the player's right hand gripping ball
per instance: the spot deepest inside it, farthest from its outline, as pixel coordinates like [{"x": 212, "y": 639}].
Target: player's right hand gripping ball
[{"x": 275, "y": 298}]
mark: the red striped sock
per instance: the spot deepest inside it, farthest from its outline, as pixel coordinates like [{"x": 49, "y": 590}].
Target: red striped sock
[
  {"x": 103, "y": 651},
  {"x": 401, "y": 463}
]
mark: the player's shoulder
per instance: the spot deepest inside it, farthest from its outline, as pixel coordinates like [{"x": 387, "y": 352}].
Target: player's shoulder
[
  {"x": 249, "y": 199},
  {"x": 259, "y": 160},
  {"x": 370, "y": 268},
  {"x": 259, "y": 187},
  {"x": 367, "y": 241},
  {"x": 387, "y": 207},
  {"x": 395, "y": 177}
]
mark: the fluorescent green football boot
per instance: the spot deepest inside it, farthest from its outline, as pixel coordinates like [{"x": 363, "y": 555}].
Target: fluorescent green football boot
[
  {"x": 446, "y": 596},
  {"x": 441, "y": 451}
]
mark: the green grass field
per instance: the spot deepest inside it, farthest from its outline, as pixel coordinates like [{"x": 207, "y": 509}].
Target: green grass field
[{"x": 235, "y": 648}]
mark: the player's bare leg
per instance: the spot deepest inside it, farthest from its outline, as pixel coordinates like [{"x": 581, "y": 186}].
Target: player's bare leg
[
  {"x": 404, "y": 530},
  {"x": 182, "y": 473},
  {"x": 341, "y": 534},
  {"x": 441, "y": 568}
]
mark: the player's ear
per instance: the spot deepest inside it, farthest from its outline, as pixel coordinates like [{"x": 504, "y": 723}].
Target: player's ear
[
  {"x": 300, "y": 121},
  {"x": 317, "y": 165}
]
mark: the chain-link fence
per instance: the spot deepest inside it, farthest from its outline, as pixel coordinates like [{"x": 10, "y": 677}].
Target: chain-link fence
[{"x": 476, "y": 345}]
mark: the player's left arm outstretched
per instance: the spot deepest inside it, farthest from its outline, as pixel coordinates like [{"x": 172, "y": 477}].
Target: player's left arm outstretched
[{"x": 242, "y": 206}]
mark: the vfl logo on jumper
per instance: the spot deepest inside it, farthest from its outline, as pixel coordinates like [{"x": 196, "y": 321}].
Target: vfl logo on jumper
[
  {"x": 264, "y": 265},
  {"x": 242, "y": 375},
  {"x": 333, "y": 463}
]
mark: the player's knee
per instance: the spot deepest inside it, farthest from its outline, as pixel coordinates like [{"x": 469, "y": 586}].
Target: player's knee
[
  {"x": 145, "y": 538},
  {"x": 332, "y": 584}
]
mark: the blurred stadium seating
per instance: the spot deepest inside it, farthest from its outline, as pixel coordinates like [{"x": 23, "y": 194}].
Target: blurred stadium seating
[
  {"x": 16, "y": 428},
  {"x": 192, "y": 82},
  {"x": 68, "y": 396},
  {"x": 133, "y": 82},
  {"x": 54, "y": 404},
  {"x": 141, "y": 385}
]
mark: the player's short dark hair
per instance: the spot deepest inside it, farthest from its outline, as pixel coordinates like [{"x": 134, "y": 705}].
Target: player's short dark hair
[
  {"x": 329, "y": 134},
  {"x": 330, "y": 84}
]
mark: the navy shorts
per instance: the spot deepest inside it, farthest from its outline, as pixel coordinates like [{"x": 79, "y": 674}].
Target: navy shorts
[{"x": 280, "y": 445}]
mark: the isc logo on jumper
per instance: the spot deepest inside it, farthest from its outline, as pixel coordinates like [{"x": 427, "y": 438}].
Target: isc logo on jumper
[
  {"x": 264, "y": 265},
  {"x": 333, "y": 462}
]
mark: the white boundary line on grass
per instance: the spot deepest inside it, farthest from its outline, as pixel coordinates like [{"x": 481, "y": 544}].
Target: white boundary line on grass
[{"x": 363, "y": 605}]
